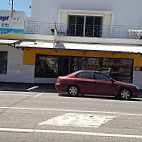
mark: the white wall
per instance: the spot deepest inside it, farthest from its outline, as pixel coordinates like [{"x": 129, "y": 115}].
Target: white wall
[
  {"x": 137, "y": 78},
  {"x": 16, "y": 71},
  {"x": 126, "y": 12}
]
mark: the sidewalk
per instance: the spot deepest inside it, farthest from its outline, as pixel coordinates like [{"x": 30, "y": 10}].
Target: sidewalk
[{"x": 29, "y": 87}]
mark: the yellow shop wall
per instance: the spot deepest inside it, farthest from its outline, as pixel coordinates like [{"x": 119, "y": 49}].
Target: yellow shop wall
[{"x": 30, "y": 55}]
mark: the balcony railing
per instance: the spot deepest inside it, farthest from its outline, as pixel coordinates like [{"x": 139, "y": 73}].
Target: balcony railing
[{"x": 104, "y": 31}]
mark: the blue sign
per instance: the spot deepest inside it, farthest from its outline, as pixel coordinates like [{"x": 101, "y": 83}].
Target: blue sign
[{"x": 11, "y": 33}]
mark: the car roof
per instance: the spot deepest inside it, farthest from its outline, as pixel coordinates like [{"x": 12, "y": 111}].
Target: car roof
[
  {"x": 89, "y": 71},
  {"x": 79, "y": 71}
]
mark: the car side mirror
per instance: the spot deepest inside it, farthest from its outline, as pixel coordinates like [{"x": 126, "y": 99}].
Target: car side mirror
[{"x": 112, "y": 80}]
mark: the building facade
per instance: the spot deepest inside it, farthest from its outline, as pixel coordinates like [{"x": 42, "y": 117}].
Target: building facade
[
  {"x": 11, "y": 59},
  {"x": 63, "y": 36}
]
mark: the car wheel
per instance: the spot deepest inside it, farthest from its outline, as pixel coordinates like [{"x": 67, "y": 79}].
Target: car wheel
[
  {"x": 125, "y": 94},
  {"x": 73, "y": 90}
]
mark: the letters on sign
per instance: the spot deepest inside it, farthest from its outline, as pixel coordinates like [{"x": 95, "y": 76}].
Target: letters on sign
[{"x": 4, "y": 18}]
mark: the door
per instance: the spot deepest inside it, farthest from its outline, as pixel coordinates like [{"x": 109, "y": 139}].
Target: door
[
  {"x": 104, "y": 85},
  {"x": 85, "y": 82}
]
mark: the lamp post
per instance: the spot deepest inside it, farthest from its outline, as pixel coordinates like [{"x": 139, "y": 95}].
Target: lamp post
[{"x": 12, "y": 7}]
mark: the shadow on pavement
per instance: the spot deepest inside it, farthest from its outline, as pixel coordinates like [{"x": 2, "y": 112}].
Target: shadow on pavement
[{"x": 27, "y": 87}]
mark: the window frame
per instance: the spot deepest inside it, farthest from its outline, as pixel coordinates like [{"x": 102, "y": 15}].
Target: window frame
[{"x": 85, "y": 25}]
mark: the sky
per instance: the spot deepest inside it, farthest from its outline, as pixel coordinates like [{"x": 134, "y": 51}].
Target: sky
[{"x": 19, "y": 5}]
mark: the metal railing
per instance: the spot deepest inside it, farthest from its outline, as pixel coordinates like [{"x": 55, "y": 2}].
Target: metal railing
[{"x": 105, "y": 31}]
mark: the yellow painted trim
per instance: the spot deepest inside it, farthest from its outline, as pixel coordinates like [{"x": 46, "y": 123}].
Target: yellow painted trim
[{"x": 30, "y": 55}]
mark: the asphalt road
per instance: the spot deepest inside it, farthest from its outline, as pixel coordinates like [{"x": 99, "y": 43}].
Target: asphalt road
[{"x": 50, "y": 117}]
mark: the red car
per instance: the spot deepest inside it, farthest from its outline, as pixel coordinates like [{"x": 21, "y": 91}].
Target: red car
[{"x": 95, "y": 82}]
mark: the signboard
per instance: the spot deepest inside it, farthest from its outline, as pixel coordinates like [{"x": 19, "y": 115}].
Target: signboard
[
  {"x": 8, "y": 31},
  {"x": 11, "y": 33}
]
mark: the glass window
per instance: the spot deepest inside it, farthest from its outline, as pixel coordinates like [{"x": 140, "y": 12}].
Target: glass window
[
  {"x": 87, "y": 75},
  {"x": 46, "y": 66},
  {"x": 90, "y": 26},
  {"x": 99, "y": 76},
  {"x": 84, "y": 63},
  {"x": 3, "y": 62},
  {"x": 53, "y": 66},
  {"x": 107, "y": 78}
]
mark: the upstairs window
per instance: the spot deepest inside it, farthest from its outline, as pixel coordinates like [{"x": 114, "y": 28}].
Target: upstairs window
[{"x": 89, "y": 26}]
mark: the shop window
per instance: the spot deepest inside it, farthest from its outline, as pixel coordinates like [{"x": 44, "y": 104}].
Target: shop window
[
  {"x": 46, "y": 66},
  {"x": 51, "y": 66},
  {"x": 3, "y": 62},
  {"x": 54, "y": 66},
  {"x": 89, "y": 26},
  {"x": 119, "y": 69}
]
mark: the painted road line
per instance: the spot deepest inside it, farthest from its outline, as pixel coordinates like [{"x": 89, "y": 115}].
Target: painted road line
[
  {"x": 69, "y": 110},
  {"x": 39, "y": 94},
  {"x": 69, "y": 132},
  {"x": 32, "y": 88},
  {"x": 12, "y": 92}
]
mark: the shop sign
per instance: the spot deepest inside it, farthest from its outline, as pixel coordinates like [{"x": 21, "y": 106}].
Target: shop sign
[
  {"x": 7, "y": 32},
  {"x": 4, "y": 21},
  {"x": 11, "y": 33}
]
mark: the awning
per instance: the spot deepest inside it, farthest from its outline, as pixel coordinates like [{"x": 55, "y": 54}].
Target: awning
[
  {"x": 7, "y": 42},
  {"x": 81, "y": 47}
]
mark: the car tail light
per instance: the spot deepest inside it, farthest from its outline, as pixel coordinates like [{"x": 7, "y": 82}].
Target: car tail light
[{"x": 58, "y": 80}]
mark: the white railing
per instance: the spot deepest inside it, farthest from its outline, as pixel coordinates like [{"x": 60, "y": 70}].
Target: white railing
[{"x": 105, "y": 31}]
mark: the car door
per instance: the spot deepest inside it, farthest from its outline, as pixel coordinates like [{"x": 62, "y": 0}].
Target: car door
[
  {"x": 104, "y": 85},
  {"x": 85, "y": 82}
]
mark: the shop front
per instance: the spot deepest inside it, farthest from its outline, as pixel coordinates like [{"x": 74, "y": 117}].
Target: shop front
[
  {"x": 48, "y": 66},
  {"x": 46, "y": 62}
]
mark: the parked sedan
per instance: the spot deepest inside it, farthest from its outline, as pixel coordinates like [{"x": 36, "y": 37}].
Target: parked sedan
[{"x": 95, "y": 82}]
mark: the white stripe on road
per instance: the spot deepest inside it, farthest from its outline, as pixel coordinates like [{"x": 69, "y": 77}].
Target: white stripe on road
[
  {"x": 69, "y": 110},
  {"x": 68, "y": 132},
  {"x": 38, "y": 95},
  {"x": 32, "y": 88},
  {"x": 12, "y": 92}
]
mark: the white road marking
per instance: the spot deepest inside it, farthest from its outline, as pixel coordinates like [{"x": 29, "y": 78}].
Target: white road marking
[
  {"x": 38, "y": 95},
  {"x": 78, "y": 120},
  {"x": 69, "y": 132},
  {"x": 69, "y": 110},
  {"x": 32, "y": 88},
  {"x": 12, "y": 92},
  {"x": 19, "y": 93}
]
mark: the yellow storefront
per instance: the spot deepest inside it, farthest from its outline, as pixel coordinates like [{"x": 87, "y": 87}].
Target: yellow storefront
[{"x": 121, "y": 64}]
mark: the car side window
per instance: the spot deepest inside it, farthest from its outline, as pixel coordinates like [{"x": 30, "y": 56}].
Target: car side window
[
  {"x": 107, "y": 78},
  {"x": 100, "y": 76},
  {"x": 86, "y": 75}
]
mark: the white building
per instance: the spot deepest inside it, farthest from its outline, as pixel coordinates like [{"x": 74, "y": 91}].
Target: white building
[
  {"x": 98, "y": 35},
  {"x": 11, "y": 59}
]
